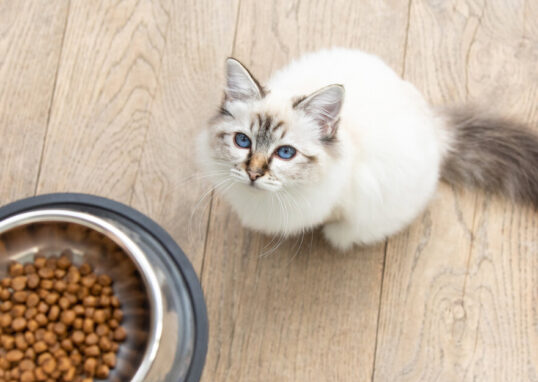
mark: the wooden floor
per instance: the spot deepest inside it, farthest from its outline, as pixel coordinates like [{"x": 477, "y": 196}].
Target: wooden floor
[{"x": 105, "y": 97}]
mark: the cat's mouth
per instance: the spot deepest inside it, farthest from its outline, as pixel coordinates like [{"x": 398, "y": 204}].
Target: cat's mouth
[{"x": 266, "y": 182}]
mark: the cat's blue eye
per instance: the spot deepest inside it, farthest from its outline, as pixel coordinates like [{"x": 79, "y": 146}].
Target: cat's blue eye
[
  {"x": 242, "y": 140},
  {"x": 286, "y": 152}
]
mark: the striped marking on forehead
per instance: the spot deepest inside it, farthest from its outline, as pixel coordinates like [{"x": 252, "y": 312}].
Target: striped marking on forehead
[{"x": 269, "y": 128}]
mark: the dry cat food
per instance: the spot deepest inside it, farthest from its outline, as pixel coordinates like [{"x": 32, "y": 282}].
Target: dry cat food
[{"x": 58, "y": 322}]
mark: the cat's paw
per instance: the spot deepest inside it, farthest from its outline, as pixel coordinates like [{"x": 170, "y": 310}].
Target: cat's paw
[{"x": 340, "y": 235}]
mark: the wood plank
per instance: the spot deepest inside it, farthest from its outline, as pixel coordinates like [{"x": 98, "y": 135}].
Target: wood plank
[
  {"x": 30, "y": 45},
  {"x": 168, "y": 187},
  {"x": 306, "y": 314},
  {"x": 106, "y": 83},
  {"x": 460, "y": 283}
]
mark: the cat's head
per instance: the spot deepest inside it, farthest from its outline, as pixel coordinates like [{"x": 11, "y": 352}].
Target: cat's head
[{"x": 270, "y": 139}]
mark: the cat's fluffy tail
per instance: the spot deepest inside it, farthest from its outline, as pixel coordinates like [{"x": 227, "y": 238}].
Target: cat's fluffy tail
[{"x": 495, "y": 154}]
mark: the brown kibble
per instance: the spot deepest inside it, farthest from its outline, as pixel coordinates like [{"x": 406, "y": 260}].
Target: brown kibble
[
  {"x": 102, "y": 371},
  {"x": 87, "y": 325},
  {"x": 64, "y": 303},
  {"x": 78, "y": 337},
  {"x": 89, "y": 366},
  {"x": 75, "y": 357},
  {"x": 71, "y": 298},
  {"x": 54, "y": 313},
  {"x": 6, "y": 282},
  {"x": 107, "y": 291},
  {"x": 85, "y": 269},
  {"x": 29, "y": 337},
  {"x": 79, "y": 310},
  {"x": 32, "y": 300},
  {"x": 67, "y": 344},
  {"x": 40, "y": 347},
  {"x": 70, "y": 374},
  {"x": 40, "y": 374},
  {"x": 73, "y": 277},
  {"x": 5, "y": 320},
  {"x": 18, "y": 324},
  {"x": 89, "y": 312},
  {"x": 20, "y": 342},
  {"x": 51, "y": 262},
  {"x": 104, "y": 301},
  {"x": 14, "y": 355},
  {"x": 59, "y": 274},
  {"x": 32, "y": 325},
  {"x": 114, "y": 347},
  {"x": 49, "y": 338},
  {"x": 105, "y": 344},
  {"x": 104, "y": 280},
  {"x": 60, "y": 328},
  {"x": 83, "y": 292},
  {"x": 20, "y": 296},
  {"x": 52, "y": 298},
  {"x": 16, "y": 269},
  {"x": 27, "y": 376},
  {"x": 72, "y": 288},
  {"x": 41, "y": 319},
  {"x": 30, "y": 313},
  {"x": 26, "y": 364},
  {"x": 39, "y": 261},
  {"x": 46, "y": 284},
  {"x": 43, "y": 357},
  {"x": 102, "y": 330},
  {"x": 64, "y": 262},
  {"x": 68, "y": 317},
  {"x": 92, "y": 351},
  {"x": 8, "y": 342},
  {"x": 114, "y": 301},
  {"x": 64, "y": 363},
  {"x": 60, "y": 286},
  {"x": 5, "y": 294},
  {"x": 29, "y": 269},
  {"x": 42, "y": 293},
  {"x": 113, "y": 323},
  {"x": 110, "y": 359},
  {"x": 15, "y": 373},
  {"x": 46, "y": 273},
  {"x": 6, "y": 306},
  {"x": 49, "y": 365},
  {"x": 77, "y": 324},
  {"x": 19, "y": 282},
  {"x": 4, "y": 363},
  {"x": 91, "y": 339},
  {"x": 89, "y": 281},
  {"x": 30, "y": 353},
  {"x": 99, "y": 316},
  {"x": 18, "y": 310},
  {"x": 96, "y": 290},
  {"x": 42, "y": 307}
]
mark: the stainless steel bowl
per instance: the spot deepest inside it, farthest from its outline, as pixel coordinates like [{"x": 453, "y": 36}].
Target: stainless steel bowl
[{"x": 164, "y": 311}]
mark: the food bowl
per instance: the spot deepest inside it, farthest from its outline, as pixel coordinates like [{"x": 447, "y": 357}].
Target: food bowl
[{"x": 164, "y": 310}]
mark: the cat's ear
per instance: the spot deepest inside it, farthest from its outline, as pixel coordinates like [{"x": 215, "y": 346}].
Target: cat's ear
[
  {"x": 240, "y": 84},
  {"x": 324, "y": 107}
]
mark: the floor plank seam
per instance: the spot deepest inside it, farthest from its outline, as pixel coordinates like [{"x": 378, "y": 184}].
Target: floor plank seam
[
  {"x": 379, "y": 305},
  {"x": 150, "y": 107},
  {"x": 52, "y": 99},
  {"x": 406, "y": 37}
]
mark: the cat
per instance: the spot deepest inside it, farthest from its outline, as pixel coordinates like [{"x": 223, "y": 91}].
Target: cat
[{"x": 337, "y": 139}]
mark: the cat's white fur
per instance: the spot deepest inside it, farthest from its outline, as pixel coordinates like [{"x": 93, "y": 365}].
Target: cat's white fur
[{"x": 386, "y": 168}]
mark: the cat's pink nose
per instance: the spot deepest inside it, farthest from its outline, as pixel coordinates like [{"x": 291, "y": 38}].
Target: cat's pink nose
[{"x": 253, "y": 175}]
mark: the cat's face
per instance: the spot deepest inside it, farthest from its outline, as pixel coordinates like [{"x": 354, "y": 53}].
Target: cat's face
[{"x": 271, "y": 141}]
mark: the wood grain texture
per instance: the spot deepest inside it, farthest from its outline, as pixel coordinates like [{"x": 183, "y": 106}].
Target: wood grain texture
[
  {"x": 106, "y": 84},
  {"x": 304, "y": 314},
  {"x": 168, "y": 187},
  {"x": 460, "y": 284},
  {"x": 30, "y": 44}
]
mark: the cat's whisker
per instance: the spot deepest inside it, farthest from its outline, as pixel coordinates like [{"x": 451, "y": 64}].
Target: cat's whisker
[{"x": 197, "y": 205}]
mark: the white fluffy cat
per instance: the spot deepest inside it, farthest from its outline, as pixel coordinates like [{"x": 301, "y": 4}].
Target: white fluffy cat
[{"x": 338, "y": 139}]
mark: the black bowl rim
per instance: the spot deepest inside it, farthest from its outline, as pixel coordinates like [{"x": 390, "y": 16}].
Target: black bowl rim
[{"x": 178, "y": 256}]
